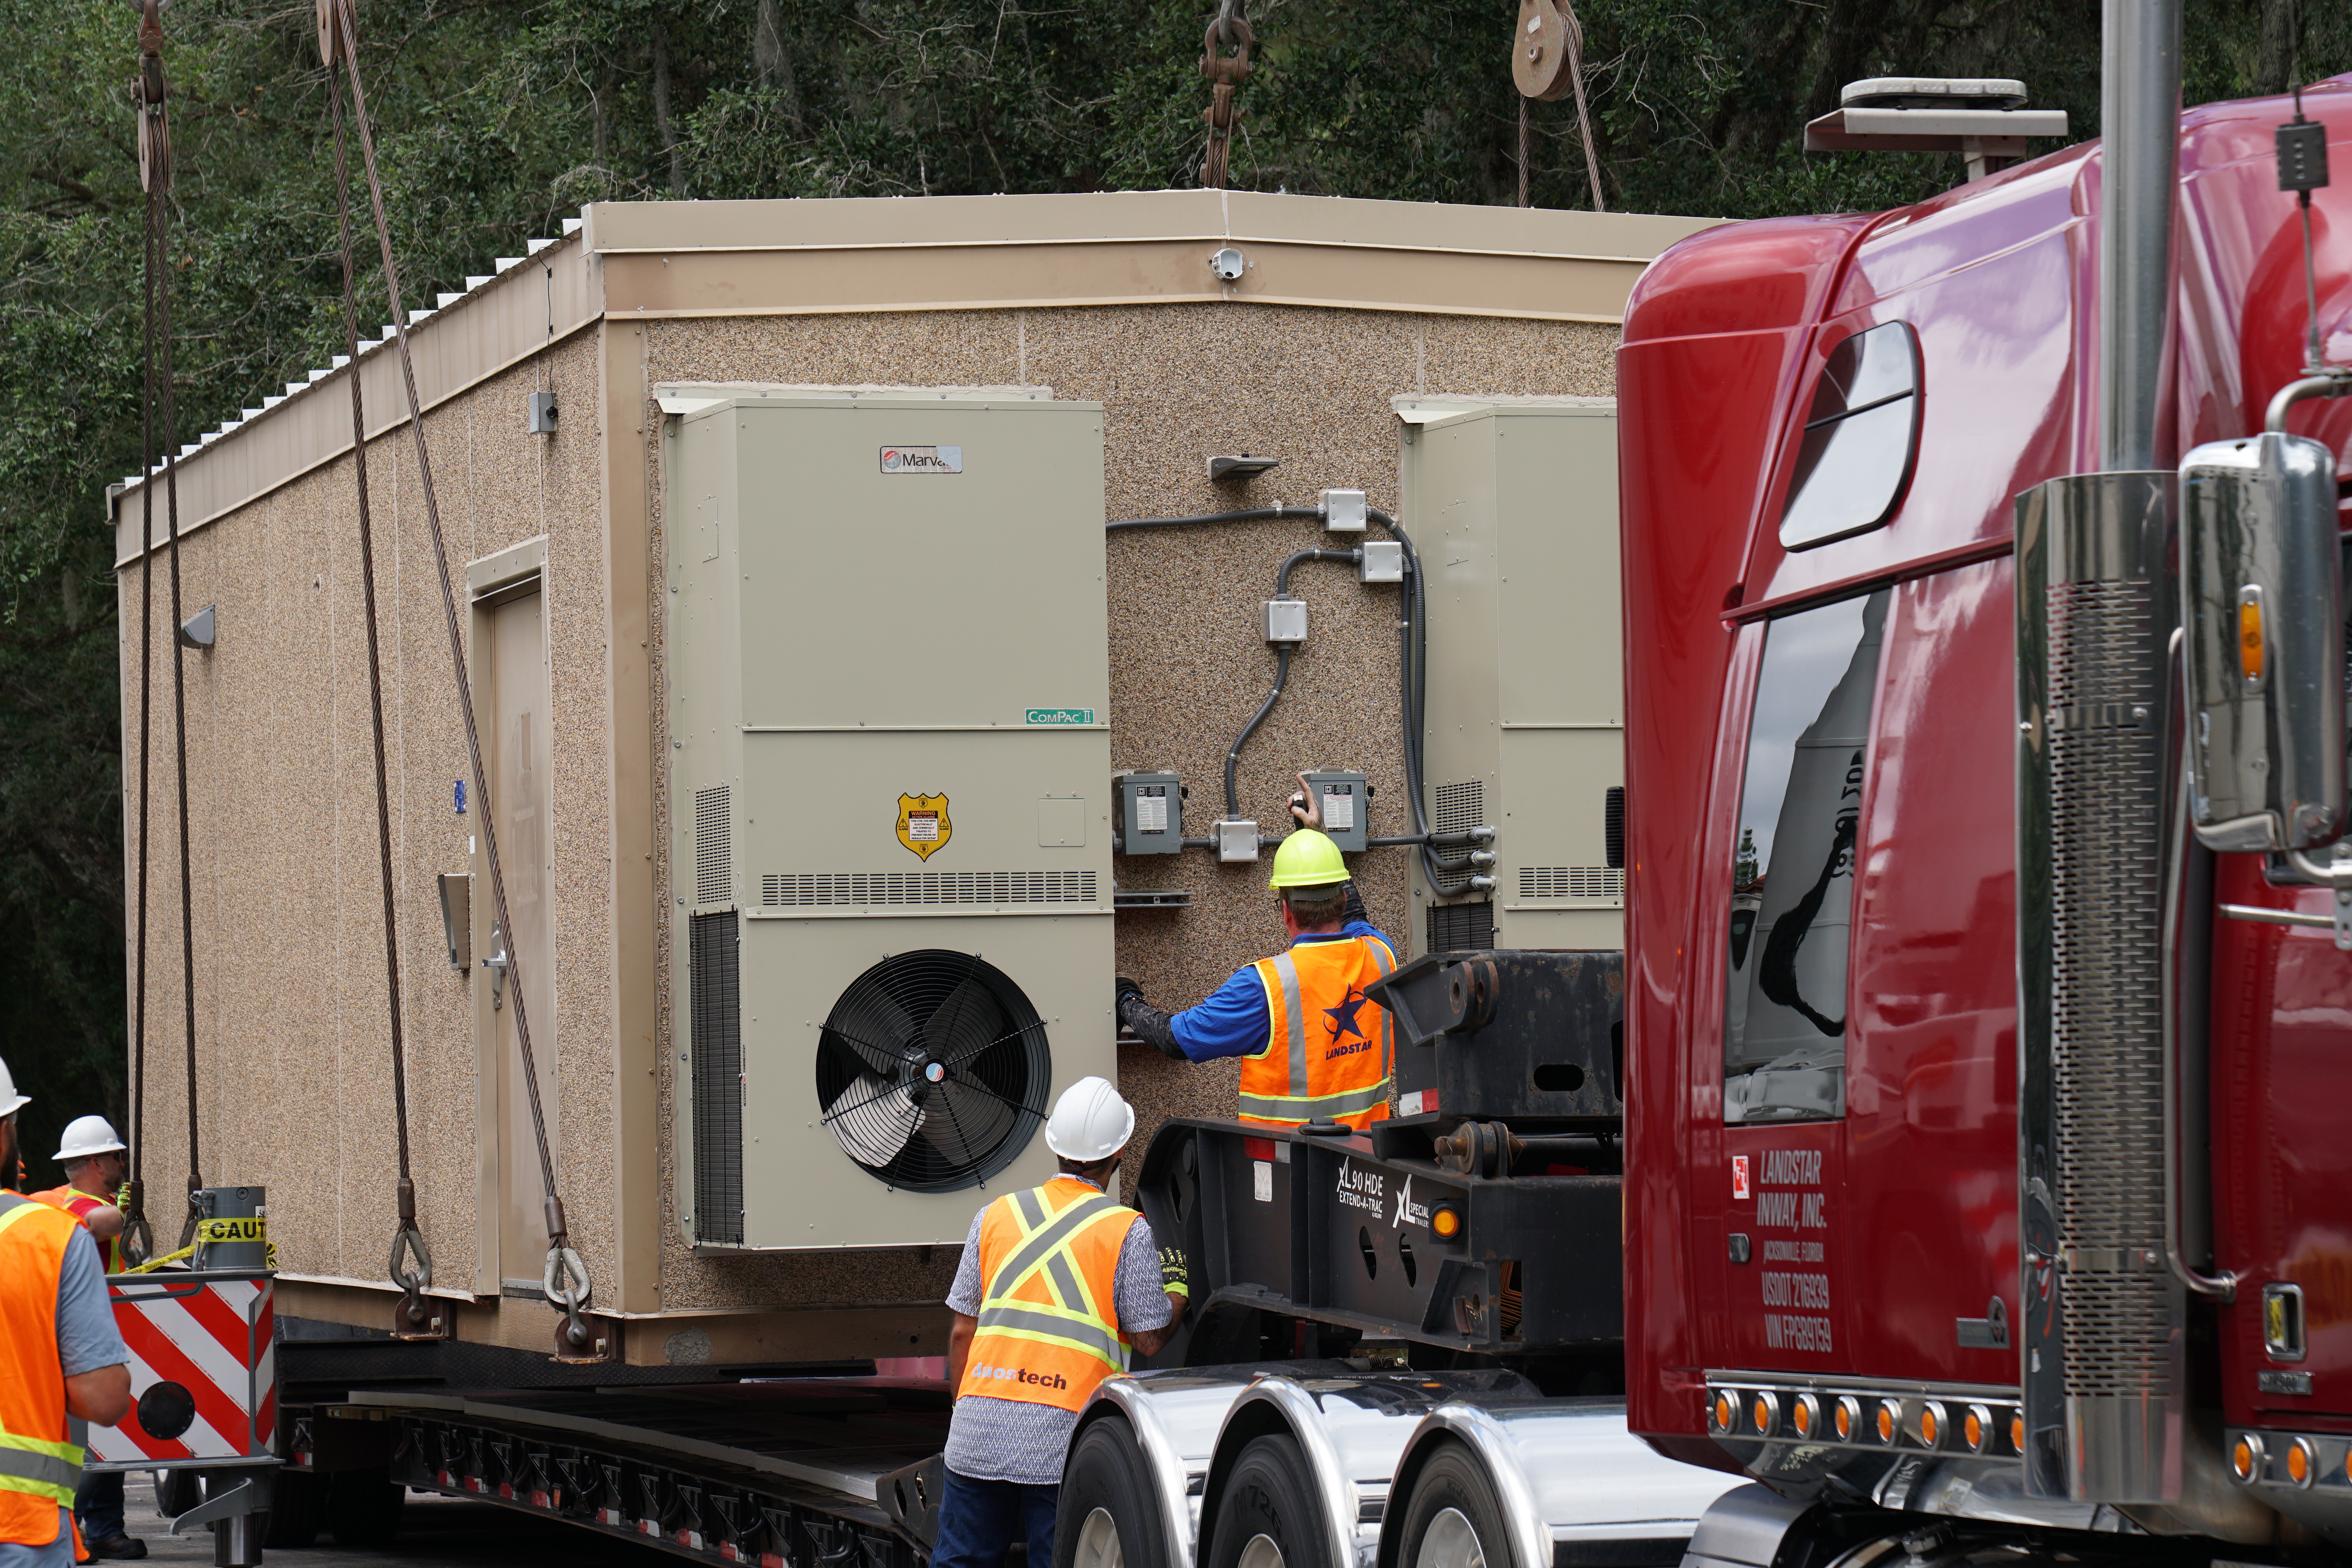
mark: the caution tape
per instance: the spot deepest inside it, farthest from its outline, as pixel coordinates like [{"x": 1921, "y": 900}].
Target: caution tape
[{"x": 219, "y": 1233}]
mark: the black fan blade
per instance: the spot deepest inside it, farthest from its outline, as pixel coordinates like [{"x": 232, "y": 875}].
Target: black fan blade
[
  {"x": 876, "y": 1027},
  {"x": 961, "y": 1023},
  {"x": 873, "y": 1121},
  {"x": 965, "y": 1127}
]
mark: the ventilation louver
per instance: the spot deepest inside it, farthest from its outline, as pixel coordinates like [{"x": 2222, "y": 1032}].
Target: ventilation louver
[
  {"x": 714, "y": 847},
  {"x": 933, "y": 1070}
]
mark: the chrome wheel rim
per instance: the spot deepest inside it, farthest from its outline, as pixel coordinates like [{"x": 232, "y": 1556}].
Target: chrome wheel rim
[
  {"x": 1450, "y": 1542},
  {"x": 1262, "y": 1552},
  {"x": 1098, "y": 1543}
]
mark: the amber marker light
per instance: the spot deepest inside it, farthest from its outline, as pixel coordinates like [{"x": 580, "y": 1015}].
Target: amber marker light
[
  {"x": 2302, "y": 1462},
  {"x": 1445, "y": 1221},
  {"x": 1805, "y": 1416},
  {"x": 1765, "y": 1412},
  {"x": 1975, "y": 1427},
  {"x": 1885, "y": 1422},
  {"x": 1725, "y": 1411},
  {"x": 1847, "y": 1419},
  {"x": 1931, "y": 1424},
  {"x": 2252, "y": 648},
  {"x": 2246, "y": 1456}
]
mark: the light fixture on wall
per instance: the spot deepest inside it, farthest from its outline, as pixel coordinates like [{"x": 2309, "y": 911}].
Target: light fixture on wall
[{"x": 197, "y": 630}]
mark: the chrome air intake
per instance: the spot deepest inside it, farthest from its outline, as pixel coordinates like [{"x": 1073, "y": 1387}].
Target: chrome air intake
[{"x": 2103, "y": 1318}]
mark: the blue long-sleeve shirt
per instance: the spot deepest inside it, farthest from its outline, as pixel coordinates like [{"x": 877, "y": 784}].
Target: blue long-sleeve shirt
[{"x": 1234, "y": 1021}]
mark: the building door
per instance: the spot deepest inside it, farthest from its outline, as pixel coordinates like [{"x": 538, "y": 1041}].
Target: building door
[{"x": 517, "y": 757}]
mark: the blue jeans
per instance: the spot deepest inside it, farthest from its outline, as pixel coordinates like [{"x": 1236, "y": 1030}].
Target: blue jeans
[
  {"x": 978, "y": 1520},
  {"x": 98, "y": 1503}
]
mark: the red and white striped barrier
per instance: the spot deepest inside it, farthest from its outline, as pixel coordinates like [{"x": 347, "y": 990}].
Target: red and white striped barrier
[{"x": 210, "y": 1334}]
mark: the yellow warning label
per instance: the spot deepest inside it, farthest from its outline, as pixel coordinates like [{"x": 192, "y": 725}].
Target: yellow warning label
[{"x": 214, "y": 1232}]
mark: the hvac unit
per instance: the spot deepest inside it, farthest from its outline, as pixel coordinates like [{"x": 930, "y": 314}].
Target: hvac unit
[
  {"x": 890, "y": 836},
  {"x": 1513, "y": 507}
]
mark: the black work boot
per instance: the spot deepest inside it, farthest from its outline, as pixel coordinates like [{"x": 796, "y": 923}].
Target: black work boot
[{"x": 126, "y": 1547}]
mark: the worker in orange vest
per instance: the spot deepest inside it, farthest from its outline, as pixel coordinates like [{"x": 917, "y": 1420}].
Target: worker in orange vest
[
  {"x": 1314, "y": 1048},
  {"x": 92, "y": 1155},
  {"x": 1058, "y": 1284},
  {"x": 60, "y": 1356}
]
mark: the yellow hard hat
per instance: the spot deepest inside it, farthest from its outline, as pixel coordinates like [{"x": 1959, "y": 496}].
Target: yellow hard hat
[{"x": 1306, "y": 859}]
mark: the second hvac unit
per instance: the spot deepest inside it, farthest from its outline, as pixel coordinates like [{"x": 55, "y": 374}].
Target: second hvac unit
[
  {"x": 890, "y": 834},
  {"x": 1514, "y": 508}
]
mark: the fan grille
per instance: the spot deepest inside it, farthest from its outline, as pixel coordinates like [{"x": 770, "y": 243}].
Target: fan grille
[{"x": 933, "y": 1070}]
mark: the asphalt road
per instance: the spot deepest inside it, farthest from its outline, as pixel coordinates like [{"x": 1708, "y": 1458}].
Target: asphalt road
[{"x": 434, "y": 1532}]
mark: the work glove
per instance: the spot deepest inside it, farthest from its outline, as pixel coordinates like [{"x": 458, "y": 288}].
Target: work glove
[
  {"x": 1148, "y": 1023},
  {"x": 1353, "y": 909},
  {"x": 1124, "y": 989},
  {"x": 1174, "y": 1278}
]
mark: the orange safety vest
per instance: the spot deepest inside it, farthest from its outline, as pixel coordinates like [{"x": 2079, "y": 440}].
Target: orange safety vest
[
  {"x": 38, "y": 1468},
  {"x": 1049, "y": 1311},
  {"x": 1328, "y": 1048},
  {"x": 81, "y": 1205}
]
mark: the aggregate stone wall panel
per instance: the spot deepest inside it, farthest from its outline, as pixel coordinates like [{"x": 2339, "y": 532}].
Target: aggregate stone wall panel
[{"x": 1299, "y": 360}]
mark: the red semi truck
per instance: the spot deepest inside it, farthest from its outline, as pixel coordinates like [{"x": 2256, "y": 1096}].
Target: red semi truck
[{"x": 1990, "y": 1024}]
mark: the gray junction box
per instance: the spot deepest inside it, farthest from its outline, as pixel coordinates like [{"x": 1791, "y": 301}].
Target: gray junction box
[
  {"x": 890, "y": 826},
  {"x": 1150, "y": 814},
  {"x": 1344, "y": 801},
  {"x": 1513, "y": 507}
]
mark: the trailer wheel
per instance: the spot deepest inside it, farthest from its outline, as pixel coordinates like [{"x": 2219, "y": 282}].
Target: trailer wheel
[
  {"x": 1268, "y": 1517},
  {"x": 363, "y": 1507},
  {"x": 295, "y": 1504},
  {"x": 1108, "y": 1515},
  {"x": 176, "y": 1491},
  {"x": 1453, "y": 1518}
]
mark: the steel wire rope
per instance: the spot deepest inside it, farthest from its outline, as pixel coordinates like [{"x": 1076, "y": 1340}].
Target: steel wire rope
[
  {"x": 411, "y": 1314},
  {"x": 138, "y": 1242},
  {"x": 573, "y": 1337},
  {"x": 154, "y": 154}
]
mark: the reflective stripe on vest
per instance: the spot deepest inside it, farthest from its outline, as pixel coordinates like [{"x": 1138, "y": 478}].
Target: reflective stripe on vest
[
  {"x": 47, "y": 1468},
  {"x": 1048, "y": 1323},
  {"x": 81, "y": 1205},
  {"x": 1288, "y": 1090}
]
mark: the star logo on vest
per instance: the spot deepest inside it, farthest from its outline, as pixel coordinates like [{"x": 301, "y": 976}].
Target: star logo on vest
[{"x": 1343, "y": 1021}]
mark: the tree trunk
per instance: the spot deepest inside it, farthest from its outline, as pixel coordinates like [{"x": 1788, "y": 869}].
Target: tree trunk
[
  {"x": 665, "y": 127},
  {"x": 2275, "y": 62},
  {"x": 775, "y": 62}
]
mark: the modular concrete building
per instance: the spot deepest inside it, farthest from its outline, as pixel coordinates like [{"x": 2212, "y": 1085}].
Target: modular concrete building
[{"x": 702, "y": 591}]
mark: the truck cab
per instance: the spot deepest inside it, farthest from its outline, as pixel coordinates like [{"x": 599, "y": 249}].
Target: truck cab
[{"x": 1856, "y": 1264}]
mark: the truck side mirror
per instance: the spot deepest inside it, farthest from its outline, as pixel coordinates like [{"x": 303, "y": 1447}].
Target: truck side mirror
[{"x": 2261, "y": 586}]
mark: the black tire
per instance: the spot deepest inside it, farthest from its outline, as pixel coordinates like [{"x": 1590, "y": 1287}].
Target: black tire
[
  {"x": 1108, "y": 1473},
  {"x": 363, "y": 1507},
  {"x": 297, "y": 1501},
  {"x": 176, "y": 1491},
  {"x": 1454, "y": 1481},
  {"x": 1271, "y": 1492}
]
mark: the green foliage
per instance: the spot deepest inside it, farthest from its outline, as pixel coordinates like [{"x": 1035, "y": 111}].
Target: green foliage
[{"x": 495, "y": 122}]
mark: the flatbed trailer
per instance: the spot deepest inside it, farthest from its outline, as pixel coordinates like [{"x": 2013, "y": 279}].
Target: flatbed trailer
[{"x": 1407, "y": 1353}]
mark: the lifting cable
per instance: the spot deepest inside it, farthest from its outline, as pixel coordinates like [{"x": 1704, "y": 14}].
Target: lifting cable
[
  {"x": 1226, "y": 29},
  {"x": 411, "y": 1318},
  {"x": 148, "y": 93},
  {"x": 566, "y": 1279}
]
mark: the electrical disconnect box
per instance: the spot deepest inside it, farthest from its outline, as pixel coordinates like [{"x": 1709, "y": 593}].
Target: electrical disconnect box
[
  {"x": 1150, "y": 814},
  {"x": 1343, "y": 800},
  {"x": 889, "y": 847},
  {"x": 1526, "y": 731}
]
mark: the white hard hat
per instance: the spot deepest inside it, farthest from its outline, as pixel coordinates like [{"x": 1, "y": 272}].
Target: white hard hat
[
  {"x": 89, "y": 1135},
  {"x": 11, "y": 1102},
  {"x": 1090, "y": 1122}
]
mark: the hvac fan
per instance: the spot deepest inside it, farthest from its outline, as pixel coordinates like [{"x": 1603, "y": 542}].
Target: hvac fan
[{"x": 933, "y": 1072}]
